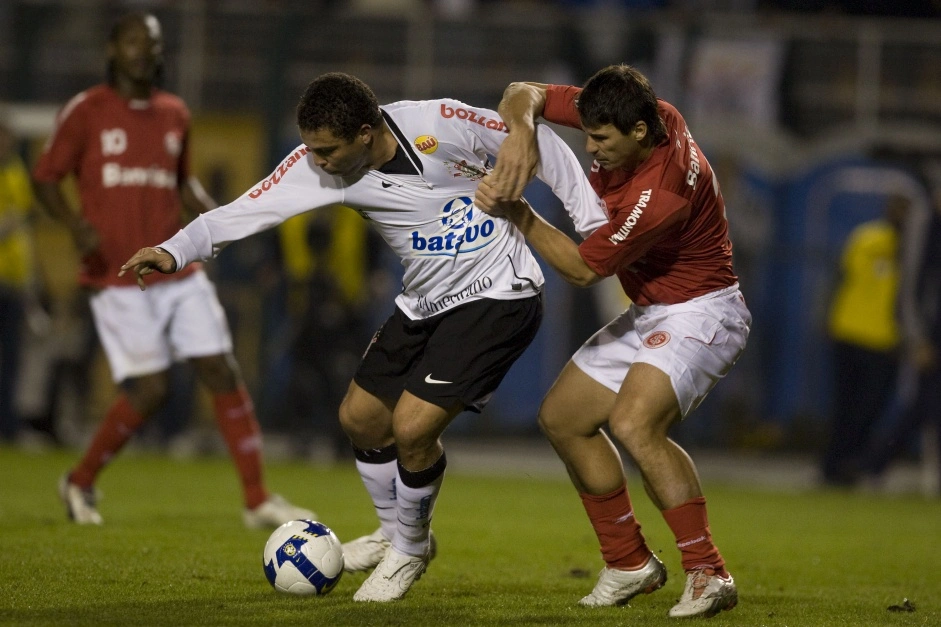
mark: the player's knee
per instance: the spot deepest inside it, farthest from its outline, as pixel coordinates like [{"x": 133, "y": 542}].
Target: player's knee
[
  {"x": 628, "y": 432},
  {"x": 218, "y": 373},
  {"x": 413, "y": 437},
  {"x": 636, "y": 431},
  {"x": 553, "y": 422},
  {"x": 358, "y": 423},
  {"x": 147, "y": 394},
  {"x": 347, "y": 417}
]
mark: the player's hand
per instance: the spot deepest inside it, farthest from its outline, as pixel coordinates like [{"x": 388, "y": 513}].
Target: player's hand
[
  {"x": 146, "y": 260},
  {"x": 488, "y": 200},
  {"x": 516, "y": 165}
]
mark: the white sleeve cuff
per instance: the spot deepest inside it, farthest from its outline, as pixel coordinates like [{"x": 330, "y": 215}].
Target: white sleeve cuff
[{"x": 182, "y": 249}]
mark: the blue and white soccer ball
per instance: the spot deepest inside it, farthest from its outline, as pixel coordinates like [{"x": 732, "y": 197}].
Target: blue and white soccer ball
[{"x": 303, "y": 557}]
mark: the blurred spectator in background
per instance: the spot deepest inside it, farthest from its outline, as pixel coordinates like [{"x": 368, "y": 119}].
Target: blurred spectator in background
[
  {"x": 863, "y": 327},
  {"x": 921, "y": 323},
  {"x": 56, "y": 372},
  {"x": 127, "y": 142},
  {"x": 17, "y": 276},
  {"x": 330, "y": 259}
]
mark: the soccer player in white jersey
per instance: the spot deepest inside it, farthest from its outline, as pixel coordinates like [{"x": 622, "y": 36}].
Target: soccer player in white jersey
[{"x": 471, "y": 296}]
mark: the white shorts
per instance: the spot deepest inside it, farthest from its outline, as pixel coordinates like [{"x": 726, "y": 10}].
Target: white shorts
[
  {"x": 144, "y": 332},
  {"x": 695, "y": 343}
]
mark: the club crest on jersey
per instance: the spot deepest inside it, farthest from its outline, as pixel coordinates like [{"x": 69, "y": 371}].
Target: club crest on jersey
[
  {"x": 461, "y": 229},
  {"x": 426, "y": 144},
  {"x": 171, "y": 141},
  {"x": 465, "y": 169},
  {"x": 657, "y": 339}
]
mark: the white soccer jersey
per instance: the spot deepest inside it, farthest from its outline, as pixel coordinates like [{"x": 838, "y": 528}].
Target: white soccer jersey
[{"x": 453, "y": 253}]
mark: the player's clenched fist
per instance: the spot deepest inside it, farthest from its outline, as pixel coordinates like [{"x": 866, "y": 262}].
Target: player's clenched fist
[{"x": 146, "y": 260}]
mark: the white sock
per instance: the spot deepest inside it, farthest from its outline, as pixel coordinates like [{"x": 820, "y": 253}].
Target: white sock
[
  {"x": 417, "y": 493},
  {"x": 380, "y": 482}
]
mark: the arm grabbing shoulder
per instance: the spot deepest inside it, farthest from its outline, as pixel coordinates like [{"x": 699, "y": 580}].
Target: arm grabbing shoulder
[
  {"x": 518, "y": 157},
  {"x": 521, "y": 104}
]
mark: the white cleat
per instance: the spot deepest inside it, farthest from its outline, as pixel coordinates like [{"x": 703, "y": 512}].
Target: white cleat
[
  {"x": 706, "y": 594},
  {"x": 393, "y": 577},
  {"x": 617, "y": 587},
  {"x": 275, "y": 512},
  {"x": 365, "y": 553},
  {"x": 79, "y": 503}
]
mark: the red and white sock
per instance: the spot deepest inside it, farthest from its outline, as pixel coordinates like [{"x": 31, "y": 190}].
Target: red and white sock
[
  {"x": 690, "y": 526},
  {"x": 120, "y": 423},
  {"x": 235, "y": 415},
  {"x": 622, "y": 544}
]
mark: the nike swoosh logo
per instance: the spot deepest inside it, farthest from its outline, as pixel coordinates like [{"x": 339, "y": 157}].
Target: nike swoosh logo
[
  {"x": 386, "y": 184},
  {"x": 428, "y": 379}
]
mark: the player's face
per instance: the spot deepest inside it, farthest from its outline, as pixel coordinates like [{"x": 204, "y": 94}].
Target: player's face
[
  {"x": 336, "y": 156},
  {"x": 611, "y": 148},
  {"x": 136, "y": 51}
]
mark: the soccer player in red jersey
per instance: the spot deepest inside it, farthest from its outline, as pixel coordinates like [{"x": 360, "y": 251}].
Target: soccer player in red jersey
[
  {"x": 667, "y": 241},
  {"x": 127, "y": 143}
]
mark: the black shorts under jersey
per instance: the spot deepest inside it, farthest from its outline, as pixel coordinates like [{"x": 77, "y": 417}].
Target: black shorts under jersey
[{"x": 459, "y": 355}]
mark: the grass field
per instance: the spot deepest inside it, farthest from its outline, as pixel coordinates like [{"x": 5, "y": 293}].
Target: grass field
[{"x": 512, "y": 551}]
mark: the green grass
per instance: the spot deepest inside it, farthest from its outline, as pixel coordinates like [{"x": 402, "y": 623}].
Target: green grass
[{"x": 512, "y": 551}]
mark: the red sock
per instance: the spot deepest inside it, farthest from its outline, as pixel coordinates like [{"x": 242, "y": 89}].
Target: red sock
[
  {"x": 622, "y": 544},
  {"x": 235, "y": 416},
  {"x": 690, "y": 525},
  {"x": 120, "y": 423}
]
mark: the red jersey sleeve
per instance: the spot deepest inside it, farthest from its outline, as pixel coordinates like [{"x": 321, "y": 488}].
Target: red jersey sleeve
[
  {"x": 633, "y": 230},
  {"x": 560, "y": 105},
  {"x": 63, "y": 150}
]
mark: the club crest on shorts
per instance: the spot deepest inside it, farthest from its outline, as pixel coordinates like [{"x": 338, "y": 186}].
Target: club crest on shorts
[{"x": 657, "y": 339}]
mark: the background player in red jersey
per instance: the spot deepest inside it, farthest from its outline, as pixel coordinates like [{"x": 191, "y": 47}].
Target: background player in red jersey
[
  {"x": 667, "y": 241},
  {"x": 127, "y": 143}
]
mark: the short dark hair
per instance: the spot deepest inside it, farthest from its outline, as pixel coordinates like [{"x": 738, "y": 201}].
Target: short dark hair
[
  {"x": 621, "y": 96},
  {"x": 339, "y": 103}
]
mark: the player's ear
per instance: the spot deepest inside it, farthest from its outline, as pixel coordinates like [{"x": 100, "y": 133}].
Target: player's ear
[
  {"x": 365, "y": 134},
  {"x": 639, "y": 131}
]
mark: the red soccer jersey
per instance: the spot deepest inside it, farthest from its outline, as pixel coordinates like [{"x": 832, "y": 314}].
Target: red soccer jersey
[
  {"x": 667, "y": 236},
  {"x": 130, "y": 158}
]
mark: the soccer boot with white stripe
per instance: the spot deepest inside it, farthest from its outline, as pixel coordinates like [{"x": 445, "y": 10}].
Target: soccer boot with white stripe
[
  {"x": 274, "y": 512},
  {"x": 617, "y": 587},
  {"x": 706, "y": 594},
  {"x": 79, "y": 502},
  {"x": 393, "y": 577},
  {"x": 365, "y": 552}
]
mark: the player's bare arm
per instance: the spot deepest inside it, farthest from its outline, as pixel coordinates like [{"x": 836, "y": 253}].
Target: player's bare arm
[
  {"x": 84, "y": 235},
  {"x": 516, "y": 163},
  {"x": 146, "y": 260},
  {"x": 195, "y": 198},
  {"x": 554, "y": 246}
]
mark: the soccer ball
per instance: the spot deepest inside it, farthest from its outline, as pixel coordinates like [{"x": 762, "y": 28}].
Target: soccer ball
[{"x": 303, "y": 557}]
